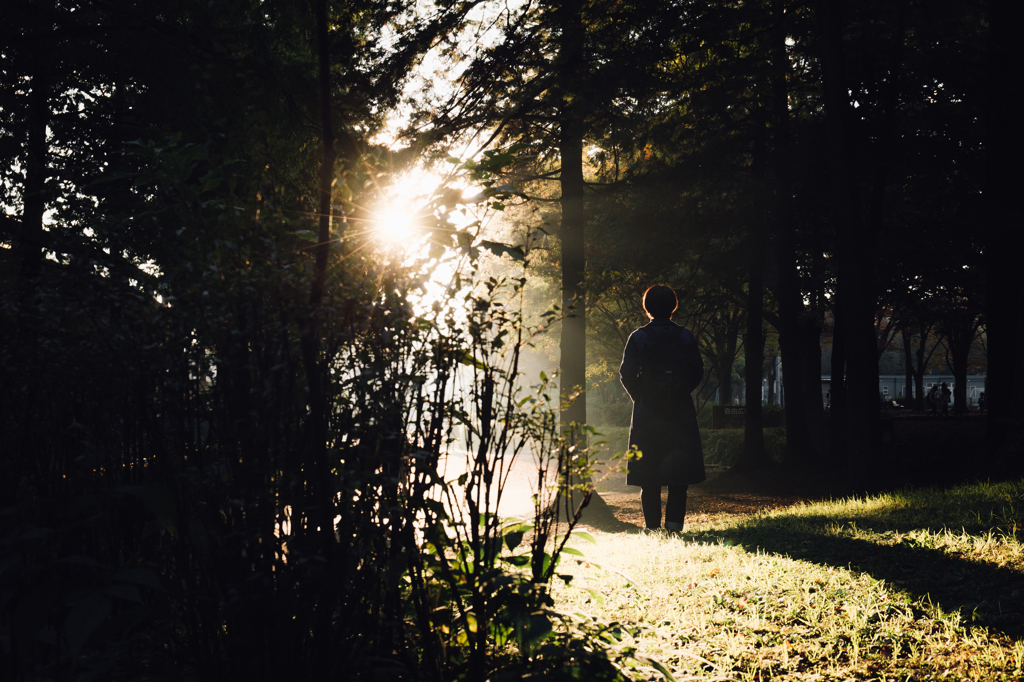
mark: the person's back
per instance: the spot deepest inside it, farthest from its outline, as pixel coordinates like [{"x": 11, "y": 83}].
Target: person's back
[{"x": 661, "y": 365}]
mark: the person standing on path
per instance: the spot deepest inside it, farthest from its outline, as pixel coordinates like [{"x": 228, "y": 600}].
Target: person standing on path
[{"x": 661, "y": 366}]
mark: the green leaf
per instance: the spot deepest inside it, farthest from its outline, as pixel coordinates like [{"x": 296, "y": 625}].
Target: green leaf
[
  {"x": 139, "y": 576},
  {"x": 87, "y": 615},
  {"x": 595, "y": 595},
  {"x": 573, "y": 551},
  {"x": 308, "y": 235},
  {"x": 498, "y": 249},
  {"x": 159, "y": 501},
  {"x": 657, "y": 665},
  {"x": 470, "y": 361},
  {"x": 513, "y": 539},
  {"x": 127, "y": 592},
  {"x": 586, "y": 536}
]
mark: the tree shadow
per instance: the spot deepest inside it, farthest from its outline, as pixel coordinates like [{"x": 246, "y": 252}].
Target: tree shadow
[
  {"x": 604, "y": 517},
  {"x": 985, "y": 594}
]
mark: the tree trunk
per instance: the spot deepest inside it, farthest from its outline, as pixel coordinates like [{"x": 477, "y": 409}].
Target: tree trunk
[
  {"x": 30, "y": 242},
  {"x": 960, "y": 340},
  {"x": 573, "y": 361},
  {"x": 753, "y": 350},
  {"x": 855, "y": 247},
  {"x": 799, "y": 446},
  {"x": 29, "y": 252},
  {"x": 317, "y": 466},
  {"x": 1005, "y": 288},
  {"x": 837, "y": 387},
  {"x": 573, "y": 343},
  {"x": 725, "y": 344},
  {"x": 809, "y": 335},
  {"x": 919, "y": 371},
  {"x": 908, "y": 366}
]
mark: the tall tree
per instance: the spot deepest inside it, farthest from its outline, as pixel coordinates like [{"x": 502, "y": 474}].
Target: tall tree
[
  {"x": 1005, "y": 290},
  {"x": 571, "y": 68}
]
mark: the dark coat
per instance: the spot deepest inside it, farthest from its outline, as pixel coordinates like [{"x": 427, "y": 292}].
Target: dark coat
[{"x": 672, "y": 453}]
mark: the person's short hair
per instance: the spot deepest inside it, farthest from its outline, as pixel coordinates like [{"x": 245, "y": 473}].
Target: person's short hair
[{"x": 660, "y": 301}]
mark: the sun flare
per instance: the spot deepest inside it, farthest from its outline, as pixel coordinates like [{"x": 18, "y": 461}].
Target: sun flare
[{"x": 395, "y": 224}]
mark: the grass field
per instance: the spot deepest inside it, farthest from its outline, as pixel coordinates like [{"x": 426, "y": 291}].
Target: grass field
[{"x": 916, "y": 585}]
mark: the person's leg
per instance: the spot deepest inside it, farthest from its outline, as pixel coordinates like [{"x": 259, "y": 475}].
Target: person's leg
[
  {"x": 675, "y": 508},
  {"x": 650, "y": 500}
]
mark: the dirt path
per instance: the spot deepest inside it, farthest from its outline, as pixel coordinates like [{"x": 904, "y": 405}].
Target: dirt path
[
  {"x": 917, "y": 451},
  {"x": 724, "y": 494}
]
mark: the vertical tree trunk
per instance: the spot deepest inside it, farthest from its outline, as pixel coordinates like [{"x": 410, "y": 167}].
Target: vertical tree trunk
[
  {"x": 573, "y": 343},
  {"x": 29, "y": 252},
  {"x": 30, "y": 242},
  {"x": 855, "y": 247},
  {"x": 908, "y": 365},
  {"x": 724, "y": 373},
  {"x": 1005, "y": 288},
  {"x": 573, "y": 361},
  {"x": 317, "y": 469},
  {"x": 753, "y": 350},
  {"x": 919, "y": 371},
  {"x": 798, "y": 441},
  {"x": 809, "y": 330},
  {"x": 960, "y": 339},
  {"x": 725, "y": 343}
]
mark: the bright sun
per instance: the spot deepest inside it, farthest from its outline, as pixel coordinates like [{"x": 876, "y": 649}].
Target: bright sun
[
  {"x": 396, "y": 219},
  {"x": 395, "y": 223}
]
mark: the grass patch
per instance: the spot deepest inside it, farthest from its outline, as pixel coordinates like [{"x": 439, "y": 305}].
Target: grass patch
[{"x": 916, "y": 585}]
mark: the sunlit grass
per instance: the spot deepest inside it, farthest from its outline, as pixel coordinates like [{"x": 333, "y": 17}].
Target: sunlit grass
[{"x": 917, "y": 585}]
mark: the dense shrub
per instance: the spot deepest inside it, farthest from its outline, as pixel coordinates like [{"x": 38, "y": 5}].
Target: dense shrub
[
  {"x": 722, "y": 447},
  {"x": 219, "y": 476}
]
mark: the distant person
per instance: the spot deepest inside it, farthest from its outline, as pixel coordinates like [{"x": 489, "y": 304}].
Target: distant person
[
  {"x": 661, "y": 366},
  {"x": 933, "y": 399},
  {"x": 944, "y": 398},
  {"x": 981, "y": 402}
]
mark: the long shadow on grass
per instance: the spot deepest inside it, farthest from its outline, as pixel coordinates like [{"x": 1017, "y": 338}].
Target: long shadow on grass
[{"x": 985, "y": 595}]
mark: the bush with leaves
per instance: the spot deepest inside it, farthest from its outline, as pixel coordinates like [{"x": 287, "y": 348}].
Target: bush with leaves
[{"x": 182, "y": 520}]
